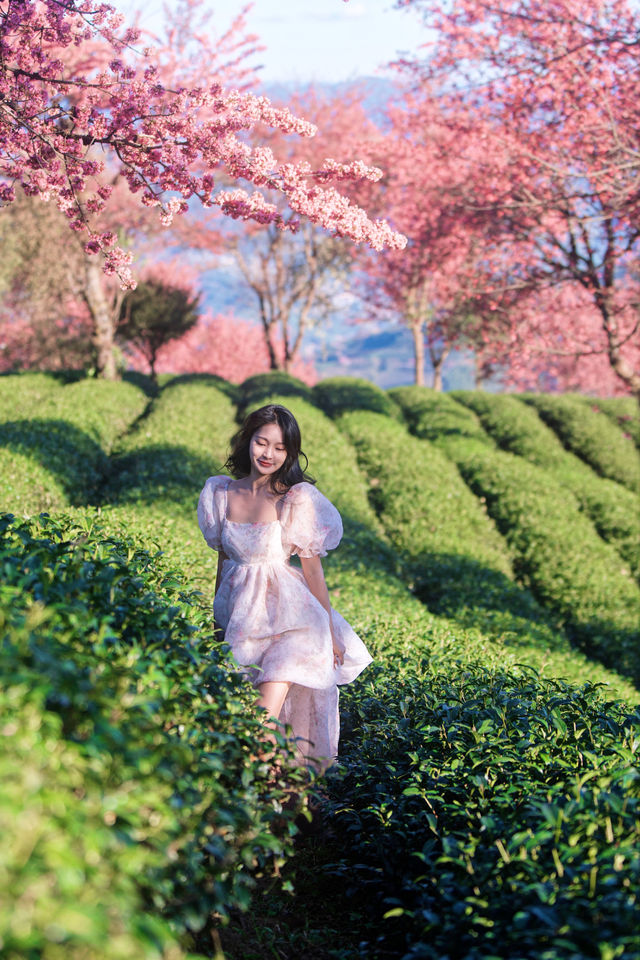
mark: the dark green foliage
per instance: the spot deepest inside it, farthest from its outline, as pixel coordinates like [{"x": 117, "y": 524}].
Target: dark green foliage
[
  {"x": 591, "y": 436},
  {"x": 339, "y": 395},
  {"x": 517, "y": 428},
  {"x": 154, "y": 314},
  {"x": 488, "y": 815},
  {"x": 212, "y": 379},
  {"x": 109, "y": 654},
  {"x": 259, "y": 389}
]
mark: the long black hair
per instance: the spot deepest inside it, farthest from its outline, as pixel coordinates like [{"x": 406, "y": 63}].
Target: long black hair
[{"x": 239, "y": 461}]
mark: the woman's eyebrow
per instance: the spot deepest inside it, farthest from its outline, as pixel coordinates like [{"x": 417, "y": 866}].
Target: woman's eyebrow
[{"x": 261, "y": 436}]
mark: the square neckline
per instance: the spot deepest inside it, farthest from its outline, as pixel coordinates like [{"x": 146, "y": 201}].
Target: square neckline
[{"x": 245, "y": 523}]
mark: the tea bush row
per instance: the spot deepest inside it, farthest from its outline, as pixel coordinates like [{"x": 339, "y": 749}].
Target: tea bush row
[
  {"x": 55, "y": 448},
  {"x": 517, "y": 428},
  {"x": 557, "y": 550},
  {"x": 108, "y": 666},
  {"x": 433, "y": 518},
  {"x": 591, "y": 435},
  {"x": 159, "y": 468},
  {"x": 489, "y": 814},
  {"x": 623, "y": 411}
]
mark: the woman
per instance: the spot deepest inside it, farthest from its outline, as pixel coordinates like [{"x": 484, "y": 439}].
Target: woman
[{"x": 278, "y": 620}]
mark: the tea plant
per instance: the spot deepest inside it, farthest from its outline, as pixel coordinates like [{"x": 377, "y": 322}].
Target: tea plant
[
  {"x": 517, "y": 428},
  {"x": 585, "y": 584},
  {"x": 106, "y": 652},
  {"x": 590, "y": 435}
]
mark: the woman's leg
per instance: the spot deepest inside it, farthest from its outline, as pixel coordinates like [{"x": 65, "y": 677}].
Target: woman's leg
[{"x": 272, "y": 696}]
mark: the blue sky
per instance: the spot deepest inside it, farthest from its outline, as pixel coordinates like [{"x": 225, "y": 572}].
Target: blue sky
[{"x": 315, "y": 40}]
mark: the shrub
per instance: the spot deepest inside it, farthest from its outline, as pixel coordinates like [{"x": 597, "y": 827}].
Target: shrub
[
  {"x": 255, "y": 391},
  {"x": 623, "y": 411},
  {"x": 460, "y": 564},
  {"x": 171, "y": 452},
  {"x": 58, "y": 456},
  {"x": 489, "y": 814},
  {"x": 591, "y": 436},
  {"x": 338, "y": 395},
  {"x": 518, "y": 429},
  {"x": 22, "y": 395},
  {"x": 436, "y": 416},
  {"x": 555, "y": 547},
  {"x": 159, "y": 733},
  {"x": 560, "y": 554}
]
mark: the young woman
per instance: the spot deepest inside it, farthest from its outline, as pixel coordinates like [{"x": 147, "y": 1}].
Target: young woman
[{"x": 277, "y": 619}]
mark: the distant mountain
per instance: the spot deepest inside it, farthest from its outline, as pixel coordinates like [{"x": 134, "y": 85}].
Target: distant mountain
[{"x": 376, "y": 92}]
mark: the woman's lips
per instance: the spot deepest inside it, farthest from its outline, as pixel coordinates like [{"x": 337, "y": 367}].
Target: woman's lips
[{"x": 265, "y": 463}]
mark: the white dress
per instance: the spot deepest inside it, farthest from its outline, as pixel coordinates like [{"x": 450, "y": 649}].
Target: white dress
[{"x": 275, "y": 627}]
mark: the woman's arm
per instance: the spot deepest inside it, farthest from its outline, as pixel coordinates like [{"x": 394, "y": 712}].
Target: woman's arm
[{"x": 314, "y": 575}]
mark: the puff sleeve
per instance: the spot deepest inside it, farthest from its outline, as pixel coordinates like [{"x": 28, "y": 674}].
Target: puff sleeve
[
  {"x": 210, "y": 507},
  {"x": 311, "y": 524}
]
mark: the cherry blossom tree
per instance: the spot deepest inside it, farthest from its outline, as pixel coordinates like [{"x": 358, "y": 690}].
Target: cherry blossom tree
[
  {"x": 443, "y": 286},
  {"x": 165, "y": 142},
  {"x": 80, "y": 108},
  {"x": 292, "y": 277},
  {"x": 553, "y": 89}
]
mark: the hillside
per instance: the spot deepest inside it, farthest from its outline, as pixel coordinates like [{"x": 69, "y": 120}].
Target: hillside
[{"x": 486, "y": 801}]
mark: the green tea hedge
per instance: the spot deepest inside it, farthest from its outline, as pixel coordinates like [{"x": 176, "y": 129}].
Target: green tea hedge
[
  {"x": 623, "y": 411},
  {"x": 590, "y": 435},
  {"x": 556, "y": 548},
  {"x": 338, "y": 395},
  {"x": 66, "y": 442},
  {"x": 487, "y": 814},
  {"x": 256, "y": 390},
  {"x": 109, "y": 656},
  {"x": 460, "y": 564},
  {"x": 518, "y": 429},
  {"x": 22, "y": 394}
]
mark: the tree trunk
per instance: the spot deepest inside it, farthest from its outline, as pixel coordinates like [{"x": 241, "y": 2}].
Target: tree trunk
[
  {"x": 438, "y": 360},
  {"x": 418, "y": 351},
  {"x": 103, "y": 320}
]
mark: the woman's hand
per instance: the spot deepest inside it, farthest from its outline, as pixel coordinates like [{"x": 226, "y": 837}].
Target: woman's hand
[{"x": 338, "y": 652}]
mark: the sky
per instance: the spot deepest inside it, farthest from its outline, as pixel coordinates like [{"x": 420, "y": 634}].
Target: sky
[{"x": 314, "y": 40}]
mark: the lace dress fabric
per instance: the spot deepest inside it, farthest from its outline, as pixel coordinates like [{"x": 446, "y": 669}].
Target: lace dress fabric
[{"x": 274, "y": 626}]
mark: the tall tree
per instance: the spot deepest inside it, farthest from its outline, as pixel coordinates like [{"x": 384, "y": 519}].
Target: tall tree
[
  {"x": 162, "y": 308},
  {"x": 294, "y": 276},
  {"x": 442, "y": 286},
  {"x": 554, "y": 89},
  {"x": 76, "y": 106}
]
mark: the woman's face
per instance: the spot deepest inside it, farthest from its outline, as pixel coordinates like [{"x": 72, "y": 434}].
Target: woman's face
[{"x": 267, "y": 450}]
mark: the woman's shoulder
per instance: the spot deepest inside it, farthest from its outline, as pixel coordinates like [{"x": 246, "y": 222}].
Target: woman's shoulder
[
  {"x": 305, "y": 492},
  {"x": 219, "y": 481},
  {"x": 301, "y": 491}
]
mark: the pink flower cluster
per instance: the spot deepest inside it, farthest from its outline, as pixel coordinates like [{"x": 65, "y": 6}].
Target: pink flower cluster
[{"x": 70, "y": 98}]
